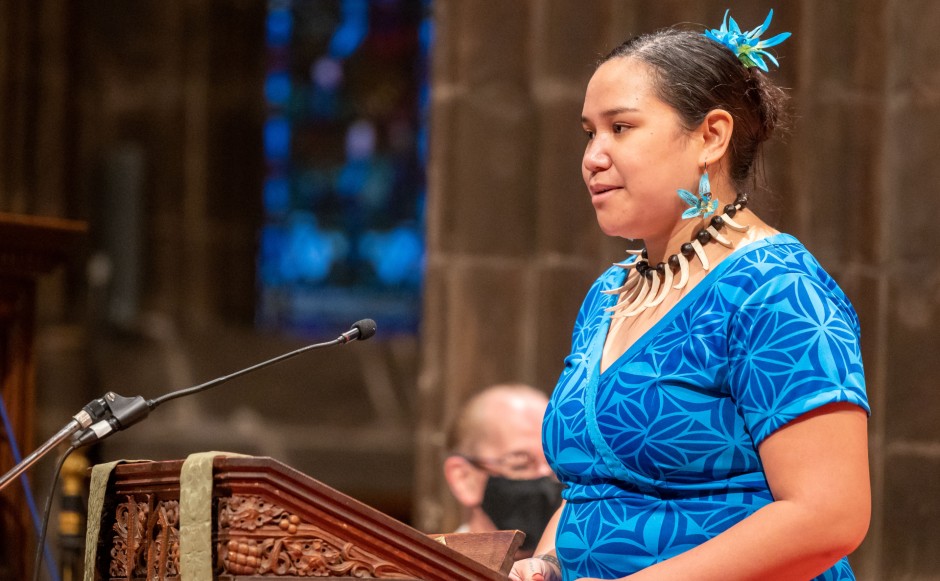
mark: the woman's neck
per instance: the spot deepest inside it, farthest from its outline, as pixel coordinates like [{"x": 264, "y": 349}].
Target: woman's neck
[{"x": 660, "y": 248}]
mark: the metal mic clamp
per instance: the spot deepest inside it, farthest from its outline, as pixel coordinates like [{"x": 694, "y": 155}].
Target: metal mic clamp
[{"x": 125, "y": 412}]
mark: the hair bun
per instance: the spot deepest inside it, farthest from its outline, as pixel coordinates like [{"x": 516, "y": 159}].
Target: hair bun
[{"x": 770, "y": 102}]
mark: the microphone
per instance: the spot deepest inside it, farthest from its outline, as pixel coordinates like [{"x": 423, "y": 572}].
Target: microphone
[
  {"x": 127, "y": 411},
  {"x": 361, "y": 330}
]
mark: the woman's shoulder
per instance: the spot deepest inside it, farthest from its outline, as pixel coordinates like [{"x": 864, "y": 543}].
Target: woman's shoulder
[
  {"x": 777, "y": 255},
  {"x": 778, "y": 262}
]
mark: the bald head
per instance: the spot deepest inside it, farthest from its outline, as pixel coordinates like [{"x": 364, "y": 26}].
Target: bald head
[
  {"x": 498, "y": 432},
  {"x": 496, "y": 417}
]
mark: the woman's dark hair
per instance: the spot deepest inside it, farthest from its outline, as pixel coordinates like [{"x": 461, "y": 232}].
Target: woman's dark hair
[{"x": 694, "y": 75}]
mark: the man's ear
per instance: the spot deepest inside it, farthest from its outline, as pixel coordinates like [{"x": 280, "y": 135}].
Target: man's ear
[
  {"x": 716, "y": 131},
  {"x": 465, "y": 481}
]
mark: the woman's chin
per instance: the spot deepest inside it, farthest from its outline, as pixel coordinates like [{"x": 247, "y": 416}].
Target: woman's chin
[{"x": 614, "y": 229}]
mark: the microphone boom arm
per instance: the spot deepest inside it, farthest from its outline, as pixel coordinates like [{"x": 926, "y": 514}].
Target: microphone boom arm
[
  {"x": 129, "y": 411},
  {"x": 103, "y": 416},
  {"x": 210, "y": 384}
]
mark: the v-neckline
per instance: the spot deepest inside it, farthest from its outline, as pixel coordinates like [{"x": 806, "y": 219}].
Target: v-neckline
[{"x": 681, "y": 305}]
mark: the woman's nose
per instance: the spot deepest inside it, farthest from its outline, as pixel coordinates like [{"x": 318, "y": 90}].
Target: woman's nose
[{"x": 595, "y": 156}]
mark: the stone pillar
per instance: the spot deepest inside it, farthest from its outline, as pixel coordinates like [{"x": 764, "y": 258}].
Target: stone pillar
[
  {"x": 837, "y": 182},
  {"x": 903, "y": 283},
  {"x": 512, "y": 240}
]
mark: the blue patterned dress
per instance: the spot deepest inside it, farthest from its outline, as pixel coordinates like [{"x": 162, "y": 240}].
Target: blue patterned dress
[{"x": 659, "y": 452}]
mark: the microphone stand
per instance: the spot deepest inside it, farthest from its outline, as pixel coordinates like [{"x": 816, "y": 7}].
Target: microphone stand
[
  {"x": 92, "y": 412},
  {"x": 103, "y": 416}
]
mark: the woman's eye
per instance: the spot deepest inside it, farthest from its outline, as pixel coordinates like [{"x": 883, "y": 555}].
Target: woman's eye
[
  {"x": 620, "y": 128},
  {"x": 589, "y": 134}
]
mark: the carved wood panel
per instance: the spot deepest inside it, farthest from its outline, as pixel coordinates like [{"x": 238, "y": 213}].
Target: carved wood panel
[
  {"x": 263, "y": 538},
  {"x": 256, "y": 537},
  {"x": 146, "y": 539},
  {"x": 272, "y": 521}
]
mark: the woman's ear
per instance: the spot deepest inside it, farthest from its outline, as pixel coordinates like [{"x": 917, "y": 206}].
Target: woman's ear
[
  {"x": 716, "y": 131},
  {"x": 466, "y": 482}
]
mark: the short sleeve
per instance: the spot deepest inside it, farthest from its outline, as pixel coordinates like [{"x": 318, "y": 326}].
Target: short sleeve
[{"x": 793, "y": 347}]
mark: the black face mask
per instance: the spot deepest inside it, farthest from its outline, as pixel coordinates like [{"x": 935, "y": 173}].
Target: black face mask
[{"x": 525, "y": 505}]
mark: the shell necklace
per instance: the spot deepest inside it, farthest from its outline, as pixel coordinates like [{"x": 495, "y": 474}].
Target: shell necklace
[{"x": 647, "y": 285}]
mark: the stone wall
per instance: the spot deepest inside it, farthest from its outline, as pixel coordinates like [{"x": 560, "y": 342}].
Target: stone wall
[{"x": 513, "y": 244}]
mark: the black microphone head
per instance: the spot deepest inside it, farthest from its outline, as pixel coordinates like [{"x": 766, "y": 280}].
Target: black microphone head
[{"x": 366, "y": 328}]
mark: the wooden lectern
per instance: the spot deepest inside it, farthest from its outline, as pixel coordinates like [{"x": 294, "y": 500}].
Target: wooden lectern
[
  {"x": 269, "y": 520},
  {"x": 30, "y": 247}
]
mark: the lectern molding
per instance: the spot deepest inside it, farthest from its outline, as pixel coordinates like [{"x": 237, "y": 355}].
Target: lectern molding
[{"x": 270, "y": 520}]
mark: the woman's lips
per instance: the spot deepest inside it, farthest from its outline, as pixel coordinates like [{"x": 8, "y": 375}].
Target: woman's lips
[
  {"x": 597, "y": 190},
  {"x": 602, "y": 192}
]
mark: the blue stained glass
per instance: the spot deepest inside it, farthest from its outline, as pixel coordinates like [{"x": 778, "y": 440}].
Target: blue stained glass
[
  {"x": 360, "y": 140},
  {"x": 352, "y": 178},
  {"x": 273, "y": 243},
  {"x": 311, "y": 252},
  {"x": 345, "y": 141},
  {"x": 277, "y": 138},
  {"x": 327, "y": 73},
  {"x": 397, "y": 255},
  {"x": 276, "y": 195},
  {"x": 280, "y": 25},
  {"x": 426, "y": 34},
  {"x": 421, "y": 145},
  {"x": 421, "y": 210},
  {"x": 323, "y": 103},
  {"x": 277, "y": 88},
  {"x": 312, "y": 186},
  {"x": 353, "y": 29}
]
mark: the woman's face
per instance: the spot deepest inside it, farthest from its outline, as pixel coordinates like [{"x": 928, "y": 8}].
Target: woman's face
[{"x": 638, "y": 153}]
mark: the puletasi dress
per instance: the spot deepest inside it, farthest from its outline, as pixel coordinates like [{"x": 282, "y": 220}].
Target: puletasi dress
[{"x": 659, "y": 452}]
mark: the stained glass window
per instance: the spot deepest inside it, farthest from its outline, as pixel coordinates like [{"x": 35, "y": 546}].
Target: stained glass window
[{"x": 345, "y": 144}]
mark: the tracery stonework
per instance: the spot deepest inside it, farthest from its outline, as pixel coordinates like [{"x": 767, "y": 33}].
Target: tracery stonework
[{"x": 254, "y": 546}]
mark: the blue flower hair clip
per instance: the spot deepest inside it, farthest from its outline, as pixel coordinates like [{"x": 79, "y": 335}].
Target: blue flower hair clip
[{"x": 748, "y": 46}]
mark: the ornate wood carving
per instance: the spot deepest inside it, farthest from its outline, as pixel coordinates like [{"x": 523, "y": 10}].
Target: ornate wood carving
[
  {"x": 128, "y": 527},
  {"x": 264, "y": 538},
  {"x": 146, "y": 539},
  {"x": 272, "y": 521}
]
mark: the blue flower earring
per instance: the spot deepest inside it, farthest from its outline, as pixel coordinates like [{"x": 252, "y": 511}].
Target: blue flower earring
[{"x": 702, "y": 205}]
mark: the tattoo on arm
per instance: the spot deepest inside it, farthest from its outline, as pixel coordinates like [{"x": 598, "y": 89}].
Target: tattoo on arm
[{"x": 551, "y": 559}]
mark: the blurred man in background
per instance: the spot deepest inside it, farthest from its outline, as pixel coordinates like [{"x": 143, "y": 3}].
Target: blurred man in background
[{"x": 496, "y": 468}]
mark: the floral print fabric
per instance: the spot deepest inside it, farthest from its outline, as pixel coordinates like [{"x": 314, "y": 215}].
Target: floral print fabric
[{"x": 659, "y": 452}]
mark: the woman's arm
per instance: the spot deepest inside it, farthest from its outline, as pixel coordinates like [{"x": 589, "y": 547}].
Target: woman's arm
[
  {"x": 536, "y": 569},
  {"x": 547, "y": 542},
  {"x": 817, "y": 468}
]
